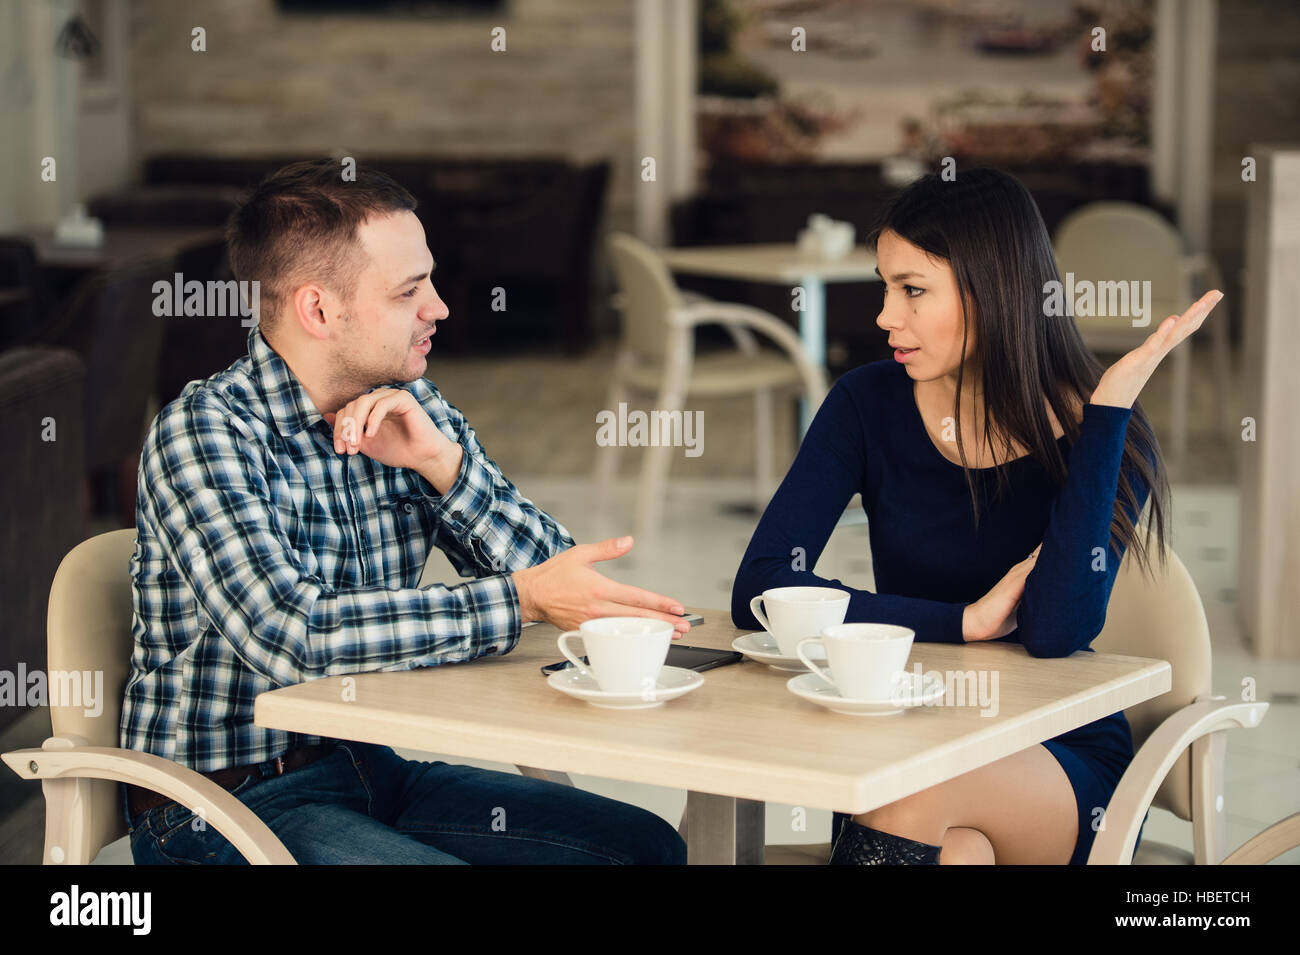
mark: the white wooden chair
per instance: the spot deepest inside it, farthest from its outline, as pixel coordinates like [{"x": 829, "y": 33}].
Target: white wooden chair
[
  {"x": 1123, "y": 241},
  {"x": 1179, "y": 737},
  {"x": 657, "y": 357},
  {"x": 81, "y": 764}
]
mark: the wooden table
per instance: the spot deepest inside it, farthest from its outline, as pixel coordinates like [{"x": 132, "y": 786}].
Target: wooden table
[
  {"x": 740, "y": 740},
  {"x": 781, "y": 264}
]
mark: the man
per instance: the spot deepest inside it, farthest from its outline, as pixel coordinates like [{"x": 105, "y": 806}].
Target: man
[{"x": 287, "y": 507}]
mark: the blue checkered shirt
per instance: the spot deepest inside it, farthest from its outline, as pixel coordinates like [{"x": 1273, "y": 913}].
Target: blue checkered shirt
[{"x": 264, "y": 558}]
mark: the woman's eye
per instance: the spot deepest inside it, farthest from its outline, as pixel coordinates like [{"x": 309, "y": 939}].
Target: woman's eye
[
  {"x": 912, "y": 291},
  {"x": 411, "y": 293}
]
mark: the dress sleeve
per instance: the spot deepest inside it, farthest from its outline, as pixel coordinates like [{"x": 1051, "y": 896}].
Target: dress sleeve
[
  {"x": 792, "y": 533},
  {"x": 1064, "y": 604}
]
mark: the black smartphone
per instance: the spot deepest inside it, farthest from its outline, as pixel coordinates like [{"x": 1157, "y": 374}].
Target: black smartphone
[{"x": 688, "y": 658}]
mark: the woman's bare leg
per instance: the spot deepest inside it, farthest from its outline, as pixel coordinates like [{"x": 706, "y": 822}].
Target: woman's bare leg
[{"x": 1023, "y": 804}]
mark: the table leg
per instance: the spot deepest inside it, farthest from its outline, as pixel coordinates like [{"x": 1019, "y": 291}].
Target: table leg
[
  {"x": 723, "y": 830},
  {"x": 812, "y": 330}
]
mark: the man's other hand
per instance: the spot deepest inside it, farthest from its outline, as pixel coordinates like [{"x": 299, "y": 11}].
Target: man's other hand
[{"x": 566, "y": 590}]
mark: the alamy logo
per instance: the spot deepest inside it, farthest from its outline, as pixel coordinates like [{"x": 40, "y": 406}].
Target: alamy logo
[
  {"x": 211, "y": 299},
  {"x": 1088, "y": 299},
  {"x": 84, "y": 688},
  {"x": 658, "y": 429},
  {"x": 75, "y": 907}
]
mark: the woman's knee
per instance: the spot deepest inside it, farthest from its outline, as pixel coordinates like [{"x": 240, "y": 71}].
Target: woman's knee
[
  {"x": 963, "y": 846},
  {"x": 918, "y": 811}
]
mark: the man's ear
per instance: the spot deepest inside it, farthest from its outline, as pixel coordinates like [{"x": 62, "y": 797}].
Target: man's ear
[{"x": 309, "y": 305}]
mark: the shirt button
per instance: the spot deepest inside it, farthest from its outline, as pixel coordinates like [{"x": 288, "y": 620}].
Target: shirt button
[
  {"x": 196, "y": 551},
  {"x": 455, "y": 515},
  {"x": 408, "y": 507}
]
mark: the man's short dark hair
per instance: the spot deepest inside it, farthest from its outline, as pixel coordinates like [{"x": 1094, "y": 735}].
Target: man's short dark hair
[{"x": 300, "y": 224}]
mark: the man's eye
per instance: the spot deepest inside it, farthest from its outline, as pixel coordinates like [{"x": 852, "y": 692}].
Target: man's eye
[{"x": 411, "y": 293}]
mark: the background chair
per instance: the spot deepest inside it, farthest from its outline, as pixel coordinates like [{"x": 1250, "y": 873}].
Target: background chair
[
  {"x": 110, "y": 323},
  {"x": 1179, "y": 737},
  {"x": 80, "y": 765},
  {"x": 41, "y": 401},
  {"x": 1122, "y": 241},
  {"x": 199, "y": 347},
  {"x": 24, "y": 293},
  {"x": 657, "y": 356}
]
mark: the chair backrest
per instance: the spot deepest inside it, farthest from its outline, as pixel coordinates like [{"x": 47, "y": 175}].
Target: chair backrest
[
  {"x": 21, "y": 320},
  {"x": 649, "y": 293},
  {"x": 1161, "y": 618},
  {"x": 120, "y": 345},
  {"x": 89, "y": 630},
  {"x": 1123, "y": 242}
]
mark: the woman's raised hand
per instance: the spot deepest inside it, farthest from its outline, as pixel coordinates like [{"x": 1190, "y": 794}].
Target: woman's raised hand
[{"x": 1122, "y": 382}]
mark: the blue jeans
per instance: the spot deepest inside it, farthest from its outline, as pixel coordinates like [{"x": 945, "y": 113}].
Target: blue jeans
[{"x": 364, "y": 804}]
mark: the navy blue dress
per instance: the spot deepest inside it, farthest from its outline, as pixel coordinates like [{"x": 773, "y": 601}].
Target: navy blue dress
[{"x": 930, "y": 561}]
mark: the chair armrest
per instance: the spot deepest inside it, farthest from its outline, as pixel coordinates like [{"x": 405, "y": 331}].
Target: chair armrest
[
  {"x": 69, "y": 757},
  {"x": 618, "y": 300},
  {"x": 1117, "y": 839},
  {"x": 732, "y": 314},
  {"x": 1263, "y": 848}
]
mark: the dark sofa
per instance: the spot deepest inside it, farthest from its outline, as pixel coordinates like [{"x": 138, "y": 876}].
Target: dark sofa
[{"x": 43, "y": 489}]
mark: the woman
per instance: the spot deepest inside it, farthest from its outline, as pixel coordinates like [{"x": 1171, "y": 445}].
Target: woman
[{"x": 1002, "y": 515}]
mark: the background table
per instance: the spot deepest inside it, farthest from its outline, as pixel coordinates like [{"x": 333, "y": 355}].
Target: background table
[
  {"x": 122, "y": 245},
  {"x": 740, "y": 740}
]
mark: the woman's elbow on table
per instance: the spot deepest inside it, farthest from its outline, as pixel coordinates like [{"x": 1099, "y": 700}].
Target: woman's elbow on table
[{"x": 1057, "y": 638}]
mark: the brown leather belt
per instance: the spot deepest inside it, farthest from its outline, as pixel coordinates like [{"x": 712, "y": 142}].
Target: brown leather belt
[{"x": 142, "y": 800}]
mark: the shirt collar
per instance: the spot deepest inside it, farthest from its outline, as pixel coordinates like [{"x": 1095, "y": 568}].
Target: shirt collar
[{"x": 291, "y": 408}]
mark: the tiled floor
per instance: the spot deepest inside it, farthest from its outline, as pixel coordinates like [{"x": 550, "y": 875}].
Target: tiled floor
[{"x": 701, "y": 545}]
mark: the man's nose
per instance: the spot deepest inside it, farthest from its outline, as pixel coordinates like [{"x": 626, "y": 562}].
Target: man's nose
[{"x": 435, "y": 309}]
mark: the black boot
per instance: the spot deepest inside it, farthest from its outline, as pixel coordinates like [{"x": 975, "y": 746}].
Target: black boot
[{"x": 862, "y": 845}]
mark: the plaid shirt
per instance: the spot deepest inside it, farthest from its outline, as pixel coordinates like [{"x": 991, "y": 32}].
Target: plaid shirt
[{"x": 264, "y": 558}]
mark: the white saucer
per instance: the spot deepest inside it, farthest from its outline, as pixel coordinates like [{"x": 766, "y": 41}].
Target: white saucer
[
  {"x": 671, "y": 683},
  {"x": 761, "y": 646},
  {"x": 815, "y": 689}
]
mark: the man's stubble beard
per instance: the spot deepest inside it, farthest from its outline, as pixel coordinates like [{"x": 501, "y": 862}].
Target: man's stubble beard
[{"x": 352, "y": 375}]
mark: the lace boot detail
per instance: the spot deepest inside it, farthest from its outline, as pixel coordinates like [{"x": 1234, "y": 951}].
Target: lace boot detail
[{"x": 862, "y": 845}]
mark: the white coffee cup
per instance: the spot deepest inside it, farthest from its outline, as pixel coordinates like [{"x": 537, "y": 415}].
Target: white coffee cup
[
  {"x": 865, "y": 658},
  {"x": 797, "y": 612},
  {"x": 626, "y": 653}
]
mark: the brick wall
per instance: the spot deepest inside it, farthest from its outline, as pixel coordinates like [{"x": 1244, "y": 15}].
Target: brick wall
[{"x": 372, "y": 84}]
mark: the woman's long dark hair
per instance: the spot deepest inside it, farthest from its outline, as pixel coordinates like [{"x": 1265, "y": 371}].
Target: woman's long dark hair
[{"x": 986, "y": 226}]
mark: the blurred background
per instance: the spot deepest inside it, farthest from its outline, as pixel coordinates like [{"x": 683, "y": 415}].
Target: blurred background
[{"x": 1160, "y": 138}]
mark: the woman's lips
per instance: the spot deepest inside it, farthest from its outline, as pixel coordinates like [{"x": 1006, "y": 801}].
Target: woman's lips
[{"x": 902, "y": 354}]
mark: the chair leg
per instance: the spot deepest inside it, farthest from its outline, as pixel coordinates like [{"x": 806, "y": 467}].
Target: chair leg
[
  {"x": 68, "y": 820},
  {"x": 657, "y": 462},
  {"x": 1181, "y": 393},
  {"x": 1209, "y": 832},
  {"x": 1223, "y": 374},
  {"x": 650, "y": 491},
  {"x": 764, "y": 437},
  {"x": 605, "y": 473}
]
